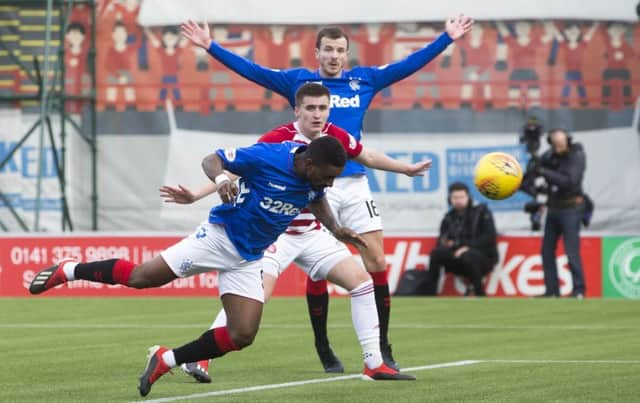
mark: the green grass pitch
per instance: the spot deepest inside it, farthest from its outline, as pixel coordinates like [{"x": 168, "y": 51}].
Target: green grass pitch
[{"x": 93, "y": 349}]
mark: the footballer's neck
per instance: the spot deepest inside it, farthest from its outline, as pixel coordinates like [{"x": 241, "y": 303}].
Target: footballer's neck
[
  {"x": 324, "y": 74},
  {"x": 313, "y": 135}
]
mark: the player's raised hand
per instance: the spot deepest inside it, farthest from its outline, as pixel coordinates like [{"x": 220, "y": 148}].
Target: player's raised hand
[
  {"x": 349, "y": 236},
  {"x": 418, "y": 169},
  {"x": 180, "y": 194},
  {"x": 198, "y": 35},
  {"x": 228, "y": 191},
  {"x": 456, "y": 27}
]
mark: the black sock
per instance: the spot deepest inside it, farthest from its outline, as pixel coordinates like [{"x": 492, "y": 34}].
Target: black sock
[
  {"x": 101, "y": 271},
  {"x": 383, "y": 304},
  {"x": 199, "y": 349},
  {"x": 318, "y": 308}
]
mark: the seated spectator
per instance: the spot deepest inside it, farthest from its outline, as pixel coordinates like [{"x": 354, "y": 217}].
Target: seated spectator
[{"x": 467, "y": 243}]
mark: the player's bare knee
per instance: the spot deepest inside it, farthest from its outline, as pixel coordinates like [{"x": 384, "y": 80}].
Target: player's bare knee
[
  {"x": 242, "y": 333},
  {"x": 246, "y": 340},
  {"x": 376, "y": 264},
  {"x": 138, "y": 279},
  {"x": 243, "y": 337},
  {"x": 138, "y": 283}
]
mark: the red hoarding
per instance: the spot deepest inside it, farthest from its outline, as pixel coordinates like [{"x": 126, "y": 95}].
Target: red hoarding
[{"x": 518, "y": 272}]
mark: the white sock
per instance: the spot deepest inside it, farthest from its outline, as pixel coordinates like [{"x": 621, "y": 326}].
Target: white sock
[
  {"x": 364, "y": 315},
  {"x": 169, "y": 358},
  {"x": 69, "y": 270},
  {"x": 221, "y": 320}
]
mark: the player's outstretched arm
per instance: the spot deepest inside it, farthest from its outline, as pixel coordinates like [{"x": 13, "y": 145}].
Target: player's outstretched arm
[
  {"x": 276, "y": 80},
  {"x": 376, "y": 160},
  {"x": 320, "y": 208},
  {"x": 455, "y": 27},
  {"x": 184, "y": 195}
]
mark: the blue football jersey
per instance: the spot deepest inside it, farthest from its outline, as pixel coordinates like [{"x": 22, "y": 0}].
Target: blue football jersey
[
  {"x": 351, "y": 93},
  {"x": 270, "y": 195}
]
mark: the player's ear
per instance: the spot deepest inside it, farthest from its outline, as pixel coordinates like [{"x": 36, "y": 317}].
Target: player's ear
[
  {"x": 317, "y": 53},
  {"x": 308, "y": 166}
]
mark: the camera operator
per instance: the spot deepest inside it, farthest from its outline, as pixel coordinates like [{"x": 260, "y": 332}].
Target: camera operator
[
  {"x": 467, "y": 243},
  {"x": 532, "y": 183},
  {"x": 562, "y": 167}
]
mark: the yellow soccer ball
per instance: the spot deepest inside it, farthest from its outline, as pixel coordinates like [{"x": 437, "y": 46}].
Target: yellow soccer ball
[{"x": 497, "y": 175}]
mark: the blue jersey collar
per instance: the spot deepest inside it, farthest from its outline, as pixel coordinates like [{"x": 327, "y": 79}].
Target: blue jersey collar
[{"x": 342, "y": 75}]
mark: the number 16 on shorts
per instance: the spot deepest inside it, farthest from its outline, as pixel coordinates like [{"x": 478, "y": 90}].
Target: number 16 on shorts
[{"x": 372, "y": 209}]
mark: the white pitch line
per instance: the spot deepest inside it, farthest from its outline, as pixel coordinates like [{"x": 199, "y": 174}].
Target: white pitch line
[
  {"x": 355, "y": 376},
  {"x": 590, "y": 362},
  {"x": 99, "y": 326},
  {"x": 515, "y": 327},
  {"x": 297, "y": 383},
  {"x": 304, "y": 326}
]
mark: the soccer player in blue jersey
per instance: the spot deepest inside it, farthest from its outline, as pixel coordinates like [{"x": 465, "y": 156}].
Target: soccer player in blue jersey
[
  {"x": 307, "y": 244},
  {"x": 277, "y": 182},
  {"x": 350, "y": 197}
]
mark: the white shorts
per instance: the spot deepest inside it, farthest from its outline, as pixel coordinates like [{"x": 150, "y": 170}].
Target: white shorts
[
  {"x": 351, "y": 202},
  {"x": 316, "y": 252},
  {"x": 209, "y": 249}
]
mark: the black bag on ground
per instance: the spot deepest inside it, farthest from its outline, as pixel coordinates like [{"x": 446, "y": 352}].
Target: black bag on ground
[{"x": 412, "y": 282}]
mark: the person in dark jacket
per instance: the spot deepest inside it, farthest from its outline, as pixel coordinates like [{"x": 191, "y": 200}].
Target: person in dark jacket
[
  {"x": 562, "y": 167},
  {"x": 467, "y": 243}
]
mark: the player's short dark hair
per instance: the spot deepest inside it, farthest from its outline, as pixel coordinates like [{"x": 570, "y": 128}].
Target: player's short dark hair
[
  {"x": 331, "y": 33},
  {"x": 76, "y": 26},
  {"x": 311, "y": 90},
  {"x": 327, "y": 150}
]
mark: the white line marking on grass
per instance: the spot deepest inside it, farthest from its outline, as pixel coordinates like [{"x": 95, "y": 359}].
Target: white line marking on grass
[
  {"x": 443, "y": 365},
  {"x": 514, "y": 327},
  {"x": 305, "y": 326},
  {"x": 298, "y": 383},
  {"x": 98, "y": 326},
  {"x": 589, "y": 362}
]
